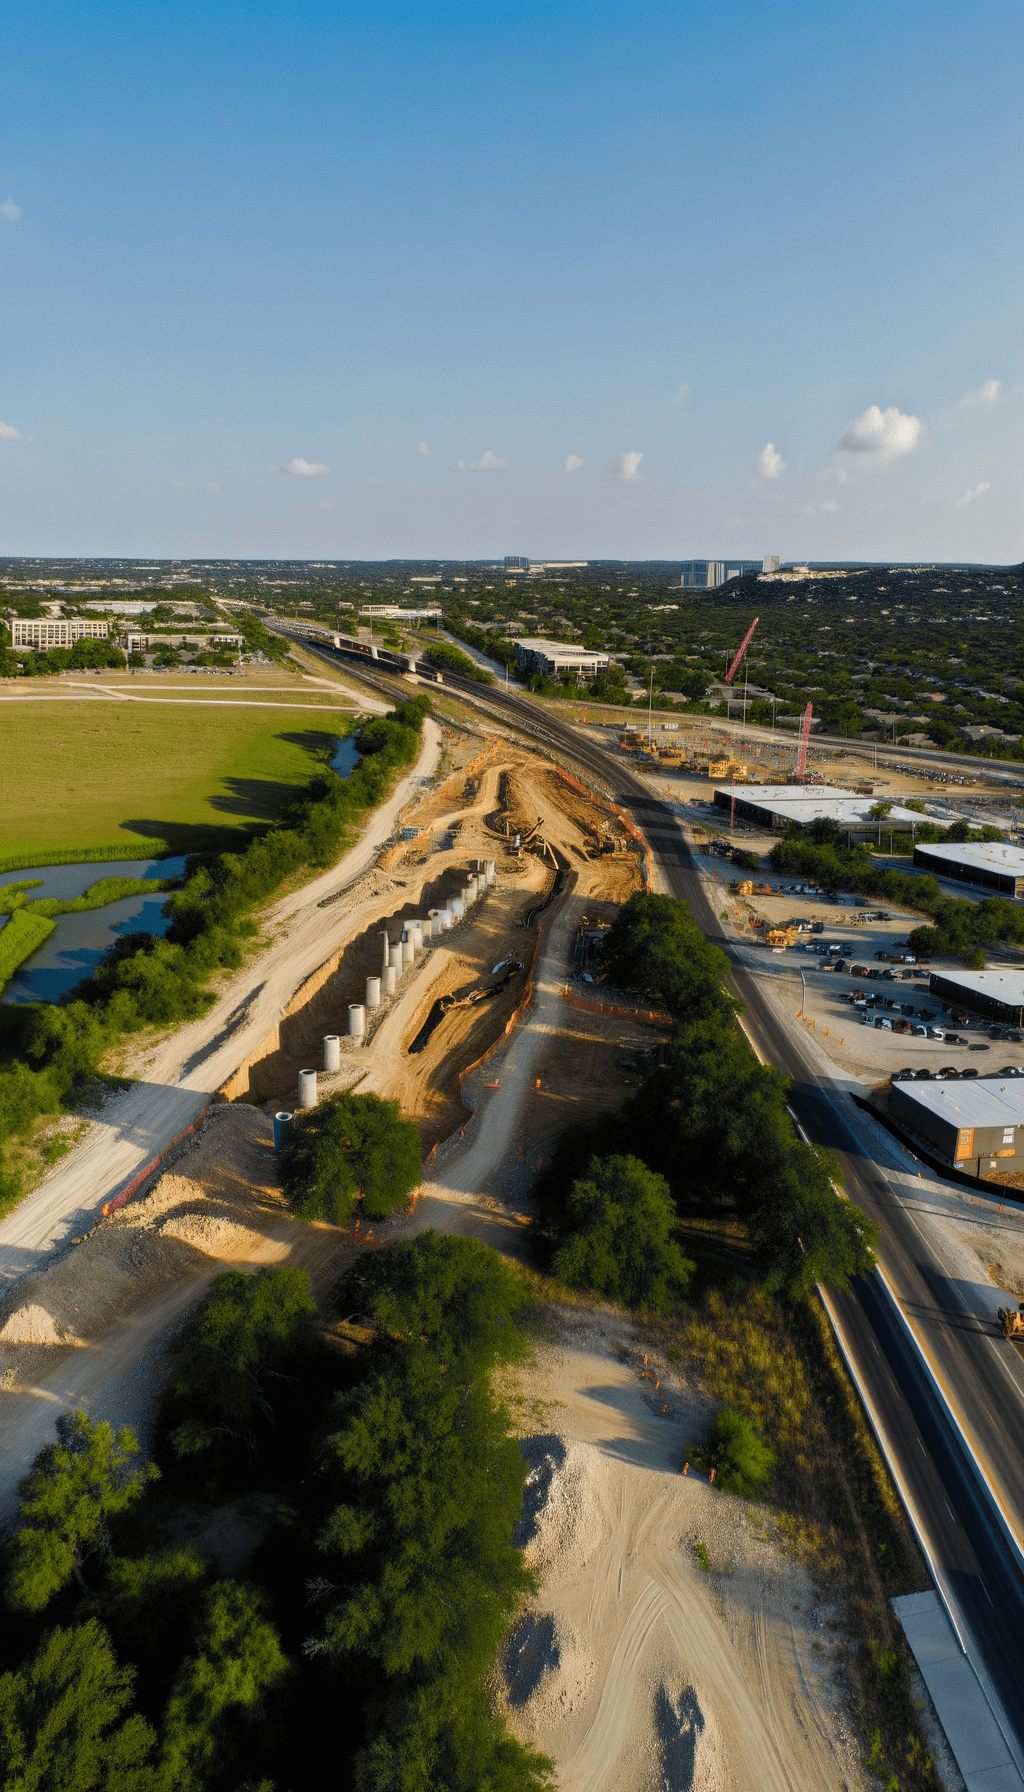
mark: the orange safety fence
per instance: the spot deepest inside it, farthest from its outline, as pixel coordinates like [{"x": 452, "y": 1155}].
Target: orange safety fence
[
  {"x": 651, "y": 1014},
  {"x": 139, "y": 1178}
]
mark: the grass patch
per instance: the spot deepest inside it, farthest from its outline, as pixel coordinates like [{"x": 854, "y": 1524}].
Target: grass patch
[
  {"x": 23, "y": 935},
  {"x": 170, "y": 777}
]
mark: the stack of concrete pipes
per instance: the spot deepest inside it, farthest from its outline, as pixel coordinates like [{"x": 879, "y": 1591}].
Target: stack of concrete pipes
[{"x": 398, "y": 955}]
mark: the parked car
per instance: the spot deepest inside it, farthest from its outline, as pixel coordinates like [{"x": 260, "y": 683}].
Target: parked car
[
  {"x": 955, "y": 1039},
  {"x": 969, "y": 1070},
  {"x": 1015, "y": 1038},
  {"x": 884, "y": 956},
  {"x": 976, "y": 1046},
  {"x": 919, "y": 1030},
  {"x": 950, "y": 1070},
  {"x": 839, "y": 965},
  {"x": 882, "y": 1020},
  {"x": 922, "y": 1076},
  {"x": 901, "y": 1026},
  {"x": 936, "y": 1033},
  {"x": 889, "y": 978},
  {"x": 906, "y": 1075}
]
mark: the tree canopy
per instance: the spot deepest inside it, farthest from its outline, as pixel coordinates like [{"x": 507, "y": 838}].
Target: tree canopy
[
  {"x": 616, "y": 1226},
  {"x": 350, "y": 1146}
]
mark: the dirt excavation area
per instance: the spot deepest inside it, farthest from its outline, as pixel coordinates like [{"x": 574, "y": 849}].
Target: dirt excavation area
[
  {"x": 90, "y": 1330},
  {"x": 672, "y": 1644}
]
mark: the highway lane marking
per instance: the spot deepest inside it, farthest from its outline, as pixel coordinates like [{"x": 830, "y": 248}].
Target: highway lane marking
[
  {"x": 986, "y": 1592},
  {"x": 951, "y": 1512}
]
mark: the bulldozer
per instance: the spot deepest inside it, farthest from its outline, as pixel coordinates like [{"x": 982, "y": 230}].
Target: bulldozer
[{"x": 1011, "y": 1322}]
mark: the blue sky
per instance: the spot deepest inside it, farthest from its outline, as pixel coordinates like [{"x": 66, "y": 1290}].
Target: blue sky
[{"x": 594, "y": 280}]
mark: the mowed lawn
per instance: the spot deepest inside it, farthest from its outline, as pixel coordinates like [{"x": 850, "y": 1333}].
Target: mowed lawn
[{"x": 84, "y": 774}]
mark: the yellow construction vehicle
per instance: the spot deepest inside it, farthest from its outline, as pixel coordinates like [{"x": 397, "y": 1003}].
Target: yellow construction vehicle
[
  {"x": 781, "y": 936},
  {"x": 1011, "y": 1322},
  {"x": 727, "y": 768},
  {"x": 747, "y": 888}
]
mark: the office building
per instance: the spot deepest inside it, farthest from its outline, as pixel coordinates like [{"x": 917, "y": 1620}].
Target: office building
[
  {"x": 705, "y": 575},
  {"x": 44, "y": 632},
  {"x": 552, "y": 657}
]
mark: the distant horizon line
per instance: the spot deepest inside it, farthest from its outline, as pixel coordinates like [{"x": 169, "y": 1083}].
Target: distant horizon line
[{"x": 150, "y": 563}]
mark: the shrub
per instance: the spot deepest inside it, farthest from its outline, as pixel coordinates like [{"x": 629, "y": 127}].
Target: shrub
[
  {"x": 351, "y": 1146},
  {"x": 741, "y": 1459},
  {"x": 614, "y": 1235}
]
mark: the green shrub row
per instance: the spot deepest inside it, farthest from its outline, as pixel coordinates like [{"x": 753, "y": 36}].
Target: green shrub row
[
  {"x": 711, "y": 1122},
  {"x": 443, "y": 654},
  {"x": 148, "y": 980}
]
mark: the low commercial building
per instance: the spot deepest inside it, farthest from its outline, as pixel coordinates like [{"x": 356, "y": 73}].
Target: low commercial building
[
  {"x": 552, "y": 657},
  {"x": 998, "y": 995},
  {"x": 976, "y": 1126},
  {"x": 46, "y": 631},
  {"x": 184, "y": 640},
  {"x": 986, "y": 864},
  {"x": 774, "y": 806}
]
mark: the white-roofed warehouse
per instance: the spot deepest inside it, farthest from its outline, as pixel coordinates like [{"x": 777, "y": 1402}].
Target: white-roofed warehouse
[
  {"x": 984, "y": 862},
  {"x": 977, "y": 1124},
  {"x": 774, "y": 806}
]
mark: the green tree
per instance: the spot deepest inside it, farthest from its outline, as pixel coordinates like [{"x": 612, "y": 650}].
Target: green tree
[
  {"x": 655, "y": 947},
  {"x": 616, "y": 1231},
  {"x": 350, "y": 1145},
  {"x": 455, "y": 1294},
  {"x": 232, "y": 1361},
  {"x": 741, "y": 1459},
  {"x": 220, "y": 1693},
  {"x": 65, "y": 1722},
  {"x": 76, "y": 1486},
  {"x": 144, "y": 1598}
]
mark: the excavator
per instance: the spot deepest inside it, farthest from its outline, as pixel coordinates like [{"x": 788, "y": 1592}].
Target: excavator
[{"x": 1011, "y": 1322}]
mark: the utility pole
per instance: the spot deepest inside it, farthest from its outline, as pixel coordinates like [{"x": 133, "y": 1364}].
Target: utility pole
[{"x": 650, "y": 709}]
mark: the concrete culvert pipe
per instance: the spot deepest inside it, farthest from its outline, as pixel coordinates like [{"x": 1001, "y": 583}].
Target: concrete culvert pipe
[
  {"x": 444, "y": 915},
  {"x": 282, "y": 1129},
  {"x": 373, "y": 992},
  {"x": 489, "y": 872},
  {"x": 332, "y": 1052},
  {"x": 408, "y": 953},
  {"x": 458, "y": 908},
  {"x": 386, "y": 958},
  {"x": 388, "y": 979},
  {"x": 307, "y": 1088},
  {"x": 356, "y": 1020}
]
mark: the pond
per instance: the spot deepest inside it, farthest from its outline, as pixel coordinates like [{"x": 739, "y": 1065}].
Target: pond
[
  {"x": 345, "y": 758},
  {"x": 78, "y": 942}
]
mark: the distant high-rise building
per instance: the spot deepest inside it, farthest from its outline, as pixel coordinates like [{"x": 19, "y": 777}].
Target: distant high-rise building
[
  {"x": 770, "y": 563},
  {"x": 704, "y": 575},
  {"x": 517, "y": 563}
]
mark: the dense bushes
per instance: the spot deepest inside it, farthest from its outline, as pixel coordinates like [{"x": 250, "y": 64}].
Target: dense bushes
[
  {"x": 148, "y": 980},
  {"x": 959, "y": 926},
  {"x": 375, "y": 1610},
  {"x": 350, "y": 1148},
  {"x": 711, "y": 1120},
  {"x": 614, "y": 1233},
  {"x": 443, "y": 654},
  {"x": 737, "y": 1453},
  {"x": 24, "y": 934}
]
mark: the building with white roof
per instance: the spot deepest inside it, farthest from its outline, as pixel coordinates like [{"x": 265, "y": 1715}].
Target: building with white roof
[
  {"x": 552, "y": 657},
  {"x": 998, "y": 994},
  {"x": 774, "y": 806},
  {"x": 975, "y": 1124},
  {"x": 985, "y": 863}
]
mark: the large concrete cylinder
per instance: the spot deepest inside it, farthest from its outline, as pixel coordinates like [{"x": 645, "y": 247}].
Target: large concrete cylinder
[
  {"x": 457, "y": 908},
  {"x": 373, "y": 992},
  {"x": 428, "y": 927},
  {"x": 489, "y": 873},
  {"x": 469, "y": 892},
  {"x": 282, "y": 1129},
  {"x": 388, "y": 979},
  {"x": 444, "y": 916},
  {"x": 307, "y": 1088},
  {"x": 408, "y": 953},
  {"x": 332, "y": 1052},
  {"x": 386, "y": 960},
  {"x": 356, "y": 1020}
]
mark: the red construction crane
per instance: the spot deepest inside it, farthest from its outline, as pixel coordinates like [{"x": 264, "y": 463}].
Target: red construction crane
[
  {"x": 744, "y": 644},
  {"x": 805, "y": 735}
]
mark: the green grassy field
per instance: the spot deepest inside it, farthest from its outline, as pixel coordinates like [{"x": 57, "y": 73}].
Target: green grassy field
[{"x": 193, "y": 775}]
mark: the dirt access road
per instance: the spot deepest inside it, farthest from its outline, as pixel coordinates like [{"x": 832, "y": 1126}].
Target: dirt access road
[
  {"x": 185, "y": 1069},
  {"x": 672, "y": 1643}
]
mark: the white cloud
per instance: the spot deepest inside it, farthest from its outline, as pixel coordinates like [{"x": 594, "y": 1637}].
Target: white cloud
[
  {"x": 828, "y": 505},
  {"x": 302, "y": 469},
  {"x": 370, "y": 479},
  {"x": 969, "y": 496},
  {"x": 10, "y": 211},
  {"x": 212, "y": 486},
  {"x": 8, "y": 433},
  {"x": 681, "y": 394},
  {"x": 177, "y": 485},
  {"x": 770, "y": 463},
  {"x": 885, "y": 434},
  {"x": 987, "y": 393},
  {"x": 734, "y": 522},
  {"x": 488, "y": 463},
  {"x": 626, "y": 466},
  {"x": 424, "y": 449},
  {"x": 572, "y": 463}
]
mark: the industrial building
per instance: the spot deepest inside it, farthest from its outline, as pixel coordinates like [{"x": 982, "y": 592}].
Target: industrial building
[
  {"x": 552, "y": 657},
  {"x": 976, "y": 1126},
  {"x": 774, "y": 806},
  {"x": 987, "y": 864},
  {"x": 44, "y": 632},
  {"x": 998, "y": 995},
  {"x": 704, "y": 575},
  {"x": 522, "y": 563}
]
